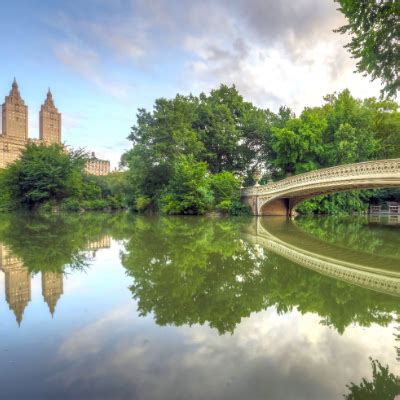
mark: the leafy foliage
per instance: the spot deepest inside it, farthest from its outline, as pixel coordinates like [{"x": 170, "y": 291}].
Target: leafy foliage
[
  {"x": 188, "y": 191},
  {"x": 45, "y": 173},
  {"x": 218, "y": 133},
  {"x": 384, "y": 385},
  {"x": 50, "y": 176},
  {"x": 375, "y": 29},
  {"x": 227, "y": 140}
]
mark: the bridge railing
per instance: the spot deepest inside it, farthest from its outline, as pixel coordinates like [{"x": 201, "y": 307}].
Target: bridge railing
[{"x": 368, "y": 168}]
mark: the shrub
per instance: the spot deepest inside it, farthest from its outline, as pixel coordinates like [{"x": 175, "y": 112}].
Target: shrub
[
  {"x": 188, "y": 192},
  {"x": 238, "y": 208},
  {"x": 142, "y": 203},
  {"x": 225, "y": 206},
  {"x": 71, "y": 204},
  {"x": 44, "y": 173},
  {"x": 225, "y": 186}
]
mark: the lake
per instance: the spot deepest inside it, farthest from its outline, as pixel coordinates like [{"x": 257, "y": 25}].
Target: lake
[{"x": 116, "y": 306}]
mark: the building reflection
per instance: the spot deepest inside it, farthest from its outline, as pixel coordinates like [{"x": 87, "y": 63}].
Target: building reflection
[
  {"x": 52, "y": 289},
  {"x": 18, "y": 280}
]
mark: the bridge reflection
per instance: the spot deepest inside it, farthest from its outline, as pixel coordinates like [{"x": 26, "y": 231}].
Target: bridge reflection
[
  {"x": 18, "y": 279},
  {"x": 284, "y": 238}
]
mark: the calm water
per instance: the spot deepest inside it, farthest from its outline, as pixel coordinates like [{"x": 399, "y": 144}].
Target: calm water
[{"x": 122, "y": 307}]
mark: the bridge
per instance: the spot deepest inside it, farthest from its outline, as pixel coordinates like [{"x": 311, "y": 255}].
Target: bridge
[
  {"x": 282, "y": 197},
  {"x": 284, "y": 238}
]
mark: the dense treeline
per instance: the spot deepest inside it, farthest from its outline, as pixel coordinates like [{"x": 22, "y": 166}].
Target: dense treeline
[
  {"x": 192, "y": 153},
  {"x": 49, "y": 177}
]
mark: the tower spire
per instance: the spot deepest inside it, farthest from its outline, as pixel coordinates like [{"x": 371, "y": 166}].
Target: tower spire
[
  {"x": 15, "y": 114},
  {"x": 49, "y": 99},
  {"x": 14, "y": 92}
]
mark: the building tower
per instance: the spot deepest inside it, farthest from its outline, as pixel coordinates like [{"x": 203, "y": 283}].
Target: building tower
[
  {"x": 18, "y": 282},
  {"x": 15, "y": 115},
  {"x": 52, "y": 288},
  {"x": 49, "y": 121}
]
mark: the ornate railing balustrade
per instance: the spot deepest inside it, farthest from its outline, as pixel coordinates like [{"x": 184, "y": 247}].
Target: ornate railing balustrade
[{"x": 369, "y": 174}]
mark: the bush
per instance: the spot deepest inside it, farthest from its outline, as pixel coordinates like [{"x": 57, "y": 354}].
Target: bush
[
  {"x": 189, "y": 189},
  {"x": 142, "y": 203},
  {"x": 239, "y": 208},
  {"x": 338, "y": 203},
  {"x": 225, "y": 186},
  {"x": 71, "y": 204},
  {"x": 225, "y": 206},
  {"x": 5, "y": 195},
  {"x": 44, "y": 174}
]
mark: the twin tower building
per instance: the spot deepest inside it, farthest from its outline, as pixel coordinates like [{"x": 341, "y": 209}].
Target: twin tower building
[{"x": 15, "y": 130}]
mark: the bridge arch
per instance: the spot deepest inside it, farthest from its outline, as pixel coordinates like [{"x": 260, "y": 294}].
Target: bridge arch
[
  {"x": 357, "y": 268},
  {"x": 281, "y": 198}
]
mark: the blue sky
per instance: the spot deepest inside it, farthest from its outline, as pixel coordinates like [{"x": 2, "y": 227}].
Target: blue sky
[{"x": 105, "y": 58}]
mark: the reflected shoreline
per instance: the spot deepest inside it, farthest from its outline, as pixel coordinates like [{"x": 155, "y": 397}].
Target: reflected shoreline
[
  {"x": 18, "y": 280},
  {"x": 311, "y": 253},
  {"x": 192, "y": 270}
]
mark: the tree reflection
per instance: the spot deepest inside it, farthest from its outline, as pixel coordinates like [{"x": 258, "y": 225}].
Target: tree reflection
[
  {"x": 188, "y": 271},
  {"x": 54, "y": 242},
  {"x": 194, "y": 270},
  {"x": 354, "y": 233},
  {"x": 383, "y": 386}
]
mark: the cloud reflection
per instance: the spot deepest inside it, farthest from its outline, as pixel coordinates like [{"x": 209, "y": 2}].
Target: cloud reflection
[{"x": 269, "y": 356}]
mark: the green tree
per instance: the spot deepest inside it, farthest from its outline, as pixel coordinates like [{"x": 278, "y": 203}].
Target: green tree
[
  {"x": 159, "y": 138},
  {"x": 386, "y": 126},
  {"x": 231, "y": 135},
  {"x": 233, "y": 131},
  {"x": 45, "y": 173},
  {"x": 5, "y": 195},
  {"x": 350, "y": 135},
  {"x": 297, "y": 145},
  {"x": 375, "y": 29},
  {"x": 188, "y": 191}
]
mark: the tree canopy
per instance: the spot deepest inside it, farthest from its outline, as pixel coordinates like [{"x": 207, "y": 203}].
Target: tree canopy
[
  {"x": 375, "y": 29},
  {"x": 47, "y": 176},
  {"x": 183, "y": 142}
]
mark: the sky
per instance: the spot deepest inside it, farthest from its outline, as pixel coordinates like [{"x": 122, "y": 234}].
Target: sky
[{"x": 104, "y": 59}]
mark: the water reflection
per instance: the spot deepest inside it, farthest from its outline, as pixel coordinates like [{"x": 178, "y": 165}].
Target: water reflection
[
  {"x": 375, "y": 272},
  {"x": 216, "y": 272},
  {"x": 49, "y": 245},
  {"x": 249, "y": 308},
  {"x": 18, "y": 280},
  {"x": 384, "y": 385}
]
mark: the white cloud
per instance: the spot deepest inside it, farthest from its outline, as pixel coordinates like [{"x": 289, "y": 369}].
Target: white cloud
[
  {"x": 86, "y": 63},
  {"x": 275, "y": 52}
]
